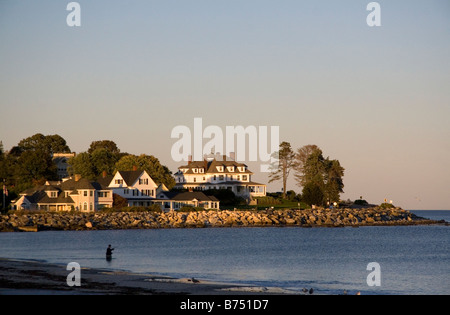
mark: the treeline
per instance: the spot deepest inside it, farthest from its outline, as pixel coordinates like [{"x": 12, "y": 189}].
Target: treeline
[
  {"x": 321, "y": 178},
  {"x": 30, "y": 163}
]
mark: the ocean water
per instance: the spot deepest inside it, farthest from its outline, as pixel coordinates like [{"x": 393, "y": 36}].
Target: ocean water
[{"x": 412, "y": 259}]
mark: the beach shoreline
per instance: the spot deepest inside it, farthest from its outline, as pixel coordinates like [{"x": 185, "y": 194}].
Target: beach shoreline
[
  {"x": 65, "y": 221},
  {"x": 28, "y": 277}
]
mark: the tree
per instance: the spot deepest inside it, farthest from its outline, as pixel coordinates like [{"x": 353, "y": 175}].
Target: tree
[
  {"x": 103, "y": 160},
  {"x": 334, "y": 184},
  {"x": 320, "y": 178},
  {"x": 286, "y": 162},
  {"x": 34, "y": 167},
  {"x": 48, "y": 144},
  {"x": 82, "y": 164},
  {"x": 313, "y": 194},
  {"x": 158, "y": 172},
  {"x": 108, "y": 145},
  {"x": 301, "y": 157},
  {"x": 101, "y": 156},
  {"x": 30, "y": 162}
]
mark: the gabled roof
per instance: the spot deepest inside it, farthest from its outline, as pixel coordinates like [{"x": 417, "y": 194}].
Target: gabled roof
[
  {"x": 72, "y": 184},
  {"x": 104, "y": 182},
  {"x": 130, "y": 177}
]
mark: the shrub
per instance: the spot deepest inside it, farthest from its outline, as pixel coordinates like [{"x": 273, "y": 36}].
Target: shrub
[
  {"x": 387, "y": 205},
  {"x": 361, "y": 202}
]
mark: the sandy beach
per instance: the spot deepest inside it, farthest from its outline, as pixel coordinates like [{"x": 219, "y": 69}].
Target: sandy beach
[{"x": 20, "y": 277}]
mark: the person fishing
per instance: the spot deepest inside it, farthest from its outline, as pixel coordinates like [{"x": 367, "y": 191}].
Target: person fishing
[{"x": 109, "y": 251}]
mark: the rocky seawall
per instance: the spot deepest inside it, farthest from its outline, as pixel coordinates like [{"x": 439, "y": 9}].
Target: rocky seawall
[{"x": 33, "y": 222}]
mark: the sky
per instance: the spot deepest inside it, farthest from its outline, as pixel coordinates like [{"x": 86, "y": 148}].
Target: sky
[{"x": 375, "y": 98}]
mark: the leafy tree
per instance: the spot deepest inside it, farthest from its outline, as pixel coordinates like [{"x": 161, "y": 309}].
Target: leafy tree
[
  {"x": 48, "y": 144},
  {"x": 108, "y": 145},
  {"x": 82, "y": 164},
  {"x": 313, "y": 194},
  {"x": 30, "y": 162},
  {"x": 334, "y": 184},
  {"x": 301, "y": 157},
  {"x": 158, "y": 172},
  {"x": 34, "y": 167},
  {"x": 318, "y": 176},
  {"x": 101, "y": 156},
  {"x": 103, "y": 160},
  {"x": 286, "y": 162}
]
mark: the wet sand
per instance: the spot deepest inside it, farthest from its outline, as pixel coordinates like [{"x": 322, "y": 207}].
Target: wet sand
[{"x": 19, "y": 277}]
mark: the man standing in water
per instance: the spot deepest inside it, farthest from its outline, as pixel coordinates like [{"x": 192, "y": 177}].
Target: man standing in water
[{"x": 109, "y": 252}]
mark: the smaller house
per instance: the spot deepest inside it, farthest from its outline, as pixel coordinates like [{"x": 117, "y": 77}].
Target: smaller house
[
  {"x": 135, "y": 186},
  {"x": 175, "y": 200}
]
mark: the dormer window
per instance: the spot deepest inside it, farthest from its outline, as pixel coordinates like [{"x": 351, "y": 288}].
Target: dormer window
[
  {"x": 230, "y": 168},
  {"x": 220, "y": 168},
  {"x": 201, "y": 170},
  {"x": 53, "y": 194},
  {"x": 241, "y": 169},
  {"x": 195, "y": 170}
]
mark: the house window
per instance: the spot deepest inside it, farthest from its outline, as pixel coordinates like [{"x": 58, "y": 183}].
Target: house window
[
  {"x": 91, "y": 193},
  {"x": 85, "y": 193},
  {"x": 220, "y": 177},
  {"x": 143, "y": 181},
  {"x": 215, "y": 177},
  {"x": 195, "y": 170},
  {"x": 119, "y": 181},
  {"x": 85, "y": 206},
  {"x": 53, "y": 194},
  {"x": 201, "y": 170},
  {"x": 244, "y": 177}
]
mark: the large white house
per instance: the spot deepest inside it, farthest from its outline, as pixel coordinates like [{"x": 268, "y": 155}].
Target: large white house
[{"x": 219, "y": 173}]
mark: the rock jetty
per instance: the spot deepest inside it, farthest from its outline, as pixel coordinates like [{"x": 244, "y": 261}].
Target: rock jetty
[{"x": 40, "y": 221}]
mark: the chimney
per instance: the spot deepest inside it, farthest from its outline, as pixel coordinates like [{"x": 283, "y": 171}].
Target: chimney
[
  {"x": 233, "y": 156},
  {"x": 134, "y": 168},
  {"x": 77, "y": 177},
  {"x": 189, "y": 159},
  {"x": 104, "y": 174},
  {"x": 224, "y": 158}
]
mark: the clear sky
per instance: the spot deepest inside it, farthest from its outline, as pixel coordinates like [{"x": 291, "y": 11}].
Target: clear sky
[{"x": 375, "y": 98}]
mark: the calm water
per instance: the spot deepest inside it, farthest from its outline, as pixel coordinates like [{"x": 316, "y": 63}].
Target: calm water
[{"x": 413, "y": 259}]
